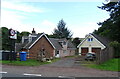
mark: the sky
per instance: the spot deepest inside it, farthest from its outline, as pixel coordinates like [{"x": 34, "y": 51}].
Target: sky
[{"x": 81, "y": 17}]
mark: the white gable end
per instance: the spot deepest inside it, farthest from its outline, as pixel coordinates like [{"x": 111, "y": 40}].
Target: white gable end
[
  {"x": 93, "y": 42},
  {"x": 90, "y": 44}
]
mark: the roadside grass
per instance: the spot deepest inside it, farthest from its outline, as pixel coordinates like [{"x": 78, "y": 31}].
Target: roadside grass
[
  {"x": 28, "y": 62},
  {"x": 71, "y": 56},
  {"x": 110, "y": 65}
]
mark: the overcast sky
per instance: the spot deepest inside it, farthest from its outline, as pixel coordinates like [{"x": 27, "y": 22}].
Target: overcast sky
[{"x": 81, "y": 17}]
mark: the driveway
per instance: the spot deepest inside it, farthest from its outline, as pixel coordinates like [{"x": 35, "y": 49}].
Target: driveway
[
  {"x": 64, "y": 62},
  {"x": 64, "y": 67}
]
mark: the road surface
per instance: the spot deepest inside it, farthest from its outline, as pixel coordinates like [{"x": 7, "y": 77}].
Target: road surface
[{"x": 66, "y": 67}]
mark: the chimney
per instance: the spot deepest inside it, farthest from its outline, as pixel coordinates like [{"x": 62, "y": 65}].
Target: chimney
[{"x": 33, "y": 31}]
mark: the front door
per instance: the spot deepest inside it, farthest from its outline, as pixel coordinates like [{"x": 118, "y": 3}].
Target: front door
[{"x": 57, "y": 54}]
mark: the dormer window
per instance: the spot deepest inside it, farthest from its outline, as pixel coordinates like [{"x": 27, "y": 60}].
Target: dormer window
[
  {"x": 30, "y": 39},
  {"x": 90, "y": 39},
  {"x": 64, "y": 43},
  {"x": 60, "y": 43}
]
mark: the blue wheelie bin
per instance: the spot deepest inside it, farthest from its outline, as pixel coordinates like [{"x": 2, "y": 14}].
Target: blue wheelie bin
[{"x": 23, "y": 56}]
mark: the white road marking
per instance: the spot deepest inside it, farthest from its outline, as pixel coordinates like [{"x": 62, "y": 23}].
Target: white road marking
[
  {"x": 66, "y": 77},
  {"x": 61, "y": 76},
  {"x": 32, "y": 74},
  {"x": 3, "y": 72}
]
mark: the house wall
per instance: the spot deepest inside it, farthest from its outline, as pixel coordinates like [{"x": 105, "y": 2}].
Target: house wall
[
  {"x": 71, "y": 52},
  {"x": 65, "y": 45},
  {"x": 41, "y": 44},
  {"x": 64, "y": 53},
  {"x": 90, "y": 44}
]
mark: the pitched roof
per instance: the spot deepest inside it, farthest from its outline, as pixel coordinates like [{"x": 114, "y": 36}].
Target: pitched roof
[
  {"x": 102, "y": 40},
  {"x": 30, "y": 44},
  {"x": 70, "y": 44},
  {"x": 27, "y": 45},
  {"x": 56, "y": 43},
  {"x": 53, "y": 41}
]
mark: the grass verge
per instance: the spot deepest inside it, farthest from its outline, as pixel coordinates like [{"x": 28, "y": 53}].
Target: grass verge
[
  {"x": 28, "y": 62},
  {"x": 110, "y": 65},
  {"x": 71, "y": 56}
]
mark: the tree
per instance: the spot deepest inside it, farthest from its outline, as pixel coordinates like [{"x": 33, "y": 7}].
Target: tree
[
  {"x": 61, "y": 31},
  {"x": 116, "y": 46},
  {"x": 24, "y": 33},
  {"x": 76, "y": 41},
  {"x": 111, "y": 27},
  {"x": 19, "y": 37},
  {"x": 5, "y": 38},
  {"x": 51, "y": 36}
]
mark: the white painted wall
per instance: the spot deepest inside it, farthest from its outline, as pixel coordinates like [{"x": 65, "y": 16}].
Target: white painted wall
[{"x": 91, "y": 44}]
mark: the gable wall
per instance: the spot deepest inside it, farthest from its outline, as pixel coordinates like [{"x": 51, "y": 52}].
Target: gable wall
[
  {"x": 90, "y": 45},
  {"x": 93, "y": 43},
  {"x": 42, "y": 43}
]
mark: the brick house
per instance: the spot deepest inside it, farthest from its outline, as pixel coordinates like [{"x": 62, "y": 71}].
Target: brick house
[{"x": 37, "y": 44}]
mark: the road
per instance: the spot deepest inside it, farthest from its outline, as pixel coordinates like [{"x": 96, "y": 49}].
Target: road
[{"x": 66, "y": 67}]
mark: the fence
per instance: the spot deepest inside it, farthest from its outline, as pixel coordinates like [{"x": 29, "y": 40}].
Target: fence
[
  {"x": 5, "y": 55},
  {"x": 104, "y": 55}
]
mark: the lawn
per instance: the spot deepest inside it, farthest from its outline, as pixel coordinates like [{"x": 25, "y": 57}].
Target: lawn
[
  {"x": 29, "y": 62},
  {"x": 111, "y": 65}
]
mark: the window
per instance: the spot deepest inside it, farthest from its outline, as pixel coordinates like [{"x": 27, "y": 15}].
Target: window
[
  {"x": 57, "y": 52},
  {"x": 64, "y": 51},
  {"x": 90, "y": 39},
  {"x": 60, "y": 43},
  {"x": 43, "y": 52},
  {"x": 30, "y": 39},
  {"x": 64, "y": 43}
]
